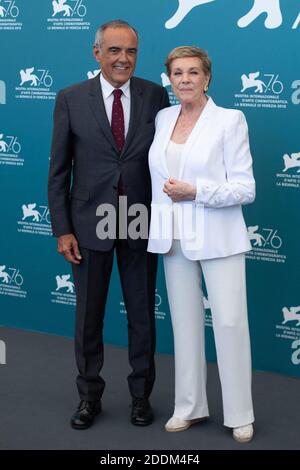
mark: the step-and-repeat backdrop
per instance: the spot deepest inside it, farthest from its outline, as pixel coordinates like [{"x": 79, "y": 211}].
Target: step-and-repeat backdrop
[{"x": 46, "y": 45}]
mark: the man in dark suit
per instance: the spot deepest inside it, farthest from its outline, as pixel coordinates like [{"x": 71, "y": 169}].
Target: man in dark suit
[{"x": 103, "y": 129}]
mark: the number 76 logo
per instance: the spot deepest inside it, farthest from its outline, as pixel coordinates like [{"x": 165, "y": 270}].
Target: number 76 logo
[
  {"x": 269, "y": 237},
  {"x": 10, "y": 9}
]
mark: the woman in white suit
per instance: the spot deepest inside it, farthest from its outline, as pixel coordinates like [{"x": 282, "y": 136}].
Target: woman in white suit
[{"x": 201, "y": 170}]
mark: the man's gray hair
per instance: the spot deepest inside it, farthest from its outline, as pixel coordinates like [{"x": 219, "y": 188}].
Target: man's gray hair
[{"x": 111, "y": 24}]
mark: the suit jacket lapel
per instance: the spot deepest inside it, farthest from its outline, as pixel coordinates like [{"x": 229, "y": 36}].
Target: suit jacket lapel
[
  {"x": 97, "y": 105},
  {"x": 136, "y": 105}
]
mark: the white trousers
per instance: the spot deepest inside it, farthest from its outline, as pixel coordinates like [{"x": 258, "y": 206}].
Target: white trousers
[{"x": 226, "y": 288}]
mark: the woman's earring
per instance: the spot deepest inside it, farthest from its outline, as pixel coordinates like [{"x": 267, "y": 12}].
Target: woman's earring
[{"x": 205, "y": 88}]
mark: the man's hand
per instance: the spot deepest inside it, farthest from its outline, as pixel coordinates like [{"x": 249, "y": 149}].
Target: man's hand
[
  {"x": 179, "y": 190},
  {"x": 67, "y": 245}
]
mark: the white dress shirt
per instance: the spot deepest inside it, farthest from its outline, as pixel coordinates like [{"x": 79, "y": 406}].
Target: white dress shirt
[{"x": 108, "y": 98}]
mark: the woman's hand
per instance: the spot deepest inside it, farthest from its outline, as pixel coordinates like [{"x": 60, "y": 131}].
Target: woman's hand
[{"x": 179, "y": 190}]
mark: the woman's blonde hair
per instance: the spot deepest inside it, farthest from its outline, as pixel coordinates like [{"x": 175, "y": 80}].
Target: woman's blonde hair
[{"x": 189, "y": 51}]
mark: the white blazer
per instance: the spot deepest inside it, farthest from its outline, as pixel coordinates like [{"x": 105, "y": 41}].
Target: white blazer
[{"x": 217, "y": 160}]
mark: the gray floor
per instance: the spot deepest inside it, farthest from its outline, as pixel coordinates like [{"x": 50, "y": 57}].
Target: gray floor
[{"x": 38, "y": 396}]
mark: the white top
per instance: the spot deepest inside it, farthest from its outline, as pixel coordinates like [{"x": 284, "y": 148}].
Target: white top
[
  {"x": 173, "y": 157},
  {"x": 108, "y": 98}
]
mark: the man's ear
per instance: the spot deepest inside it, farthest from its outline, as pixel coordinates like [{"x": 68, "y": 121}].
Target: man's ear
[{"x": 97, "y": 54}]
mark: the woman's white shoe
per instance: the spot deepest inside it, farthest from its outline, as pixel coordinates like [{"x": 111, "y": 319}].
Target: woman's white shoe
[
  {"x": 177, "y": 424},
  {"x": 243, "y": 433}
]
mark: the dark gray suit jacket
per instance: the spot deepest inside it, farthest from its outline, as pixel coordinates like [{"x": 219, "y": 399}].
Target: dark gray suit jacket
[{"x": 85, "y": 165}]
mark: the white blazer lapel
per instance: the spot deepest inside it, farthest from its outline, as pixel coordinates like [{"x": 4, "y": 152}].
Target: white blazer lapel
[{"x": 207, "y": 113}]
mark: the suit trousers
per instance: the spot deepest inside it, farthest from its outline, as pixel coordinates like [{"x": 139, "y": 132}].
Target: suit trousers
[
  {"x": 137, "y": 271},
  {"x": 225, "y": 281}
]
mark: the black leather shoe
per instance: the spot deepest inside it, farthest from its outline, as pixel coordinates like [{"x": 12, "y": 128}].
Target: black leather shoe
[
  {"x": 86, "y": 412},
  {"x": 141, "y": 412}
]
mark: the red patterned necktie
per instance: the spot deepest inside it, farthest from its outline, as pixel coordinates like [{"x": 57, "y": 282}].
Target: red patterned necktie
[
  {"x": 117, "y": 120},
  {"x": 118, "y": 128}
]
